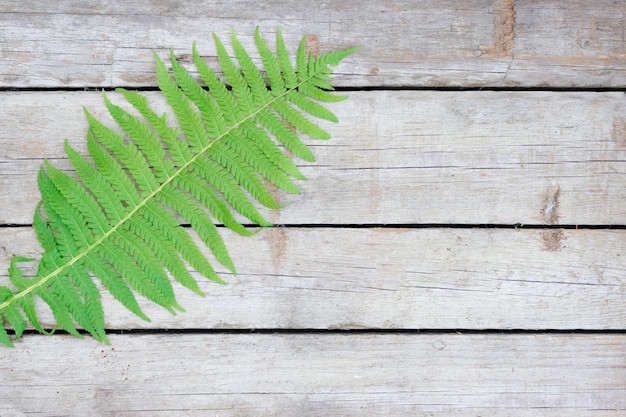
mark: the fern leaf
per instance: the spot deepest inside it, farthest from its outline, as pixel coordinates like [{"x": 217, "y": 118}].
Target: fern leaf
[
  {"x": 218, "y": 89},
  {"x": 282, "y": 55},
  {"x": 147, "y": 142},
  {"x": 224, "y": 182},
  {"x": 212, "y": 115},
  {"x": 97, "y": 184},
  {"x": 5, "y": 339},
  {"x": 298, "y": 121},
  {"x": 311, "y": 107},
  {"x": 240, "y": 88},
  {"x": 188, "y": 119},
  {"x": 27, "y": 302},
  {"x": 125, "y": 216},
  {"x": 251, "y": 74},
  {"x": 113, "y": 173},
  {"x": 302, "y": 67},
  {"x": 200, "y": 222},
  {"x": 194, "y": 185},
  {"x": 13, "y": 316},
  {"x": 271, "y": 64},
  {"x": 167, "y": 253}
]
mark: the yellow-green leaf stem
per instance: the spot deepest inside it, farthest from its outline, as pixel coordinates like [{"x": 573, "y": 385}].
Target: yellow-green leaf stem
[{"x": 251, "y": 109}]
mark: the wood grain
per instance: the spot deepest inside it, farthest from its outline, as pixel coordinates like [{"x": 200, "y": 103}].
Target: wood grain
[
  {"x": 310, "y": 375},
  {"x": 329, "y": 278},
  {"x": 481, "y": 43},
  {"x": 396, "y": 157},
  {"x": 357, "y": 320}
]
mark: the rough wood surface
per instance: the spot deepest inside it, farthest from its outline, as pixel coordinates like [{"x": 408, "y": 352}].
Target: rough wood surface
[
  {"x": 347, "y": 302},
  {"x": 479, "y": 43},
  {"x": 312, "y": 375},
  {"x": 329, "y": 278},
  {"x": 396, "y": 157}
]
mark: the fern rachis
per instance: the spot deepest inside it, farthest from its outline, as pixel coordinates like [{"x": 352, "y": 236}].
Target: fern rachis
[{"x": 115, "y": 218}]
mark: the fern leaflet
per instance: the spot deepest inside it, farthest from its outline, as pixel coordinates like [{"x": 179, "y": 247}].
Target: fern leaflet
[{"x": 117, "y": 218}]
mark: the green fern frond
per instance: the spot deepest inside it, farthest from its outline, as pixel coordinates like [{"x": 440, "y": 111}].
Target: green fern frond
[{"x": 118, "y": 217}]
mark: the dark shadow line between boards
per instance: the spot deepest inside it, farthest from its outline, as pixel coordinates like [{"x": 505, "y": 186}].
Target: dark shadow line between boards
[
  {"x": 518, "y": 226},
  {"x": 345, "y": 89},
  {"x": 330, "y": 332}
]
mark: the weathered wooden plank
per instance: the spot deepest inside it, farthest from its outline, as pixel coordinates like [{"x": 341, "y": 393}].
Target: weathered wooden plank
[
  {"x": 404, "y": 43},
  {"x": 396, "y": 157},
  {"x": 328, "y": 278},
  {"x": 316, "y": 374}
]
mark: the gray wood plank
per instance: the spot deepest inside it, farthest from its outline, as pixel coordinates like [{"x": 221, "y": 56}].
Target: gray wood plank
[
  {"x": 329, "y": 278},
  {"x": 480, "y": 43},
  {"x": 396, "y": 157},
  {"x": 316, "y": 374}
]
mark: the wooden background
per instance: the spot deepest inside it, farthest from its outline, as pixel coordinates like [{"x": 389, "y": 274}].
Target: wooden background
[{"x": 458, "y": 250}]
